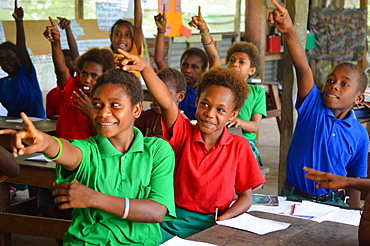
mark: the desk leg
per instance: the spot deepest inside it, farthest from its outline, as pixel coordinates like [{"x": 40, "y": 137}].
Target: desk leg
[
  {"x": 5, "y": 238},
  {"x": 275, "y": 101}
]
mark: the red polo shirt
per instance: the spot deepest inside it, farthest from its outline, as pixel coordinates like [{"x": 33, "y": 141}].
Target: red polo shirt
[
  {"x": 72, "y": 123},
  {"x": 203, "y": 179}
]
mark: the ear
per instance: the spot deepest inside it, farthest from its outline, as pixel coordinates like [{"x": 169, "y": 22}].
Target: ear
[
  {"x": 359, "y": 98},
  {"x": 136, "y": 111},
  {"x": 252, "y": 71},
  {"x": 234, "y": 114},
  {"x": 180, "y": 96}
]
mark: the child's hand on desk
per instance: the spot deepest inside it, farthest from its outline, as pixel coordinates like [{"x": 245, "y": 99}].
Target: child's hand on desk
[
  {"x": 73, "y": 195},
  {"x": 326, "y": 180},
  {"x": 34, "y": 138}
]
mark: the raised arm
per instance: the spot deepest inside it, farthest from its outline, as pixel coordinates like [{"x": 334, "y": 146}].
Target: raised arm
[
  {"x": 280, "y": 17},
  {"x": 21, "y": 38},
  {"x": 155, "y": 86},
  {"x": 160, "y": 21},
  {"x": 138, "y": 32},
  {"x": 208, "y": 43},
  {"x": 61, "y": 70},
  {"x": 7, "y": 163},
  {"x": 72, "y": 44}
]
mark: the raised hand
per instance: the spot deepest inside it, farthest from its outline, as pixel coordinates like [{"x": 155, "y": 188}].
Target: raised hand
[
  {"x": 18, "y": 12},
  {"x": 64, "y": 23},
  {"x": 280, "y": 17},
  {"x": 198, "y": 22},
  {"x": 161, "y": 20},
  {"x": 131, "y": 62},
  {"x": 326, "y": 180},
  {"x": 236, "y": 122},
  {"x": 52, "y": 33},
  {"x": 73, "y": 195},
  {"x": 82, "y": 103}
]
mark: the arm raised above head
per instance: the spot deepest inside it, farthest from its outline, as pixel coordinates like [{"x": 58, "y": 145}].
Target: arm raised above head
[
  {"x": 160, "y": 21},
  {"x": 138, "y": 20}
]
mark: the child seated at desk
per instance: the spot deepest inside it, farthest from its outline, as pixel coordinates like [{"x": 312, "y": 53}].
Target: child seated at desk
[
  {"x": 119, "y": 183},
  {"x": 210, "y": 163},
  {"x": 327, "y": 136}
]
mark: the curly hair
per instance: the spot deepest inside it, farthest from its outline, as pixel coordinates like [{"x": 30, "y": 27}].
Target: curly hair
[
  {"x": 118, "y": 22},
  {"x": 7, "y": 45},
  {"x": 248, "y": 48},
  {"x": 196, "y": 52},
  {"x": 228, "y": 78},
  {"x": 128, "y": 81},
  {"x": 100, "y": 56},
  {"x": 362, "y": 80},
  {"x": 174, "y": 78}
]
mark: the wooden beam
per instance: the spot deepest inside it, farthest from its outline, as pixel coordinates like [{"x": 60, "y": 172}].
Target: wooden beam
[
  {"x": 237, "y": 20},
  {"x": 298, "y": 11},
  {"x": 79, "y": 9}
]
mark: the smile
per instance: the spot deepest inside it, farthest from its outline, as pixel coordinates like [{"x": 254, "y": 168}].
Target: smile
[
  {"x": 86, "y": 88},
  {"x": 106, "y": 124},
  {"x": 122, "y": 46},
  {"x": 332, "y": 96}
]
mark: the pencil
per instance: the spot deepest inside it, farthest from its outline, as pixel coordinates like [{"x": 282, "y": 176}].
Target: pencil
[
  {"x": 293, "y": 208},
  {"x": 216, "y": 213}
]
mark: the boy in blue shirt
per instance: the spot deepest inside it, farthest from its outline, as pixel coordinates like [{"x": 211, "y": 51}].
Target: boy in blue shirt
[{"x": 327, "y": 136}]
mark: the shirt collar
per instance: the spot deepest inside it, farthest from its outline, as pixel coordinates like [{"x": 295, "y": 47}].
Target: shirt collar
[
  {"x": 226, "y": 137},
  {"x": 349, "y": 120}
]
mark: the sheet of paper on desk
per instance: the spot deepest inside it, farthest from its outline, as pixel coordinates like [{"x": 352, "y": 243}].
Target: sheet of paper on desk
[
  {"x": 309, "y": 209},
  {"x": 345, "y": 216},
  {"x": 33, "y": 119},
  {"x": 37, "y": 158},
  {"x": 183, "y": 242},
  {"x": 253, "y": 224}
]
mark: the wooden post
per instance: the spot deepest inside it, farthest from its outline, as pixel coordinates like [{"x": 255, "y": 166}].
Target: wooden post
[
  {"x": 298, "y": 11},
  {"x": 237, "y": 20},
  {"x": 255, "y": 27},
  {"x": 79, "y": 9}
]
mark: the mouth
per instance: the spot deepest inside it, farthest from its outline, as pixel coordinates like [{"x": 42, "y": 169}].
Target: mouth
[
  {"x": 86, "y": 88},
  {"x": 106, "y": 124},
  {"x": 332, "y": 96},
  {"x": 122, "y": 46}
]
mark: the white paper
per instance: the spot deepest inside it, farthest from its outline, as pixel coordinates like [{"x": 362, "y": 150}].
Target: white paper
[
  {"x": 344, "y": 216},
  {"x": 33, "y": 119},
  {"x": 314, "y": 210},
  {"x": 253, "y": 224},
  {"x": 284, "y": 205},
  {"x": 37, "y": 158},
  {"x": 183, "y": 242}
]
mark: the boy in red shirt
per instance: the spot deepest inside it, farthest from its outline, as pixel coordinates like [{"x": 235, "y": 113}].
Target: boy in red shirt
[{"x": 210, "y": 163}]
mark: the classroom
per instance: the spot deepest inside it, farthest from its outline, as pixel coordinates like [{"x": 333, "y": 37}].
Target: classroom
[{"x": 288, "y": 38}]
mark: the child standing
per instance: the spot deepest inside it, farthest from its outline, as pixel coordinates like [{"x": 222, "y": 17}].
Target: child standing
[
  {"x": 327, "y": 135},
  {"x": 20, "y": 90},
  {"x": 210, "y": 163},
  {"x": 149, "y": 122},
  {"x": 139, "y": 194}
]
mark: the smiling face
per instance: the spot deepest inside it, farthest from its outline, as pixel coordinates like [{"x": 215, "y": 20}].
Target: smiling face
[
  {"x": 241, "y": 63},
  {"x": 215, "y": 107},
  {"x": 113, "y": 114},
  {"x": 340, "y": 91},
  {"x": 88, "y": 76},
  {"x": 9, "y": 62},
  {"x": 122, "y": 37},
  {"x": 191, "y": 68}
]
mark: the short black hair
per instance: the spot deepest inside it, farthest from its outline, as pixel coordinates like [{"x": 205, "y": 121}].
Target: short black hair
[
  {"x": 173, "y": 77},
  {"x": 128, "y": 81},
  {"x": 362, "y": 78},
  {"x": 248, "y": 48},
  {"x": 196, "y": 52},
  {"x": 100, "y": 56},
  {"x": 119, "y": 21},
  {"x": 228, "y": 78},
  {"x": 7, "y": 45}
]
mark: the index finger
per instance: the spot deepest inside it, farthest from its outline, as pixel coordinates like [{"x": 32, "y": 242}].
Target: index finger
[
  {"x": 29, "y": 125},
  {"x": 52, "y": 22},
  {"x": 277, "y": 5},
  {"x": 15, "y": 4},
  {"x": 164, "y": 8},
  {"x": 199, "y": 12}
]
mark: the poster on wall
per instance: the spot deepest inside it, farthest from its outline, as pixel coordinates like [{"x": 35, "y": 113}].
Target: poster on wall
[{"x": 174, "y": 18}]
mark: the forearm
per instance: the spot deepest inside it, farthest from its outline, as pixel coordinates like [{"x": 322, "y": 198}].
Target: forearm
[
  {"x": 21, "y": 46},
  {"x": 70, "y": 156},
  {"x": 210, "y": 48},
  {"x": 241, "y": 205},
  {"x": 61, "y": 69},
  {"x": 138, "y": 19},
  {"x": 8, "y": 165},
  {"x": 364, "y": 227},
  {"x": 72, "y": 44},
  {"x": 159, "y": 50},
  {"x": 354, "y": 197}
]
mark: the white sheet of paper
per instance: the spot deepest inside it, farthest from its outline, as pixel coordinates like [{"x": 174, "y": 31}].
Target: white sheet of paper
[
  {"x": 183, "y": 242},
  {"x": 314, "y": 210},
  {"x": 344, "y": 216},
  {"x": 33, "y": 119},
  {"x": 37, "y": 158},
  {"x": 253, "y": 224}
]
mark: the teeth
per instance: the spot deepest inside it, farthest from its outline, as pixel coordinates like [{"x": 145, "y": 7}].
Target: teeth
[
  {"x": 106, "y": 124},
  {"x": 332, "y": 96},
  {"x": 86, "y": 88},
  {"x": 122, "y": 46}
]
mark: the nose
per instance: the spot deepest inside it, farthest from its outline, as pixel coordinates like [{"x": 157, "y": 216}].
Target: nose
[
  {"x": 210, "y": 113},
  {"x": 105, "y": 111},
  {"x": 333, "y": 86}
]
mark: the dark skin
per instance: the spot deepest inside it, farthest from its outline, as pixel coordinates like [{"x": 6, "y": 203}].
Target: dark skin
[{"x": 8, "y": 165}]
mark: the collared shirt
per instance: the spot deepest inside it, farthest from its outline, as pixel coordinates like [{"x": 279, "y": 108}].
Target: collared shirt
[
  {"x": 323, "y": 142},
  {"x": 206, "y": 179},
  {"x": 188, "y": 104},
  {"x": 145, "y": 171}
]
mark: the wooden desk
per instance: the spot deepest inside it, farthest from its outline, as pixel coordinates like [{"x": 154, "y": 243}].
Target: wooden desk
[
  {"x": 22, "y": 217},
  {"x": 300, "y": 232}
]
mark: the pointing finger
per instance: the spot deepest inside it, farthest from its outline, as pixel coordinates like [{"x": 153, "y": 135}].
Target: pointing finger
[
  {"x": 52, "y": 22},
  {"x": 199, "y": 12}
]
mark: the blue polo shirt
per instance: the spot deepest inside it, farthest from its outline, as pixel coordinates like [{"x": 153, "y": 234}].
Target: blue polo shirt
[
  {"x": 323, "y": 142},
  {"x": 188, "y": 104}
]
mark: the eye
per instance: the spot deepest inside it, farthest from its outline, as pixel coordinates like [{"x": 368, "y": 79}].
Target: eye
[
  {"x": 83, "y": 73},
  {"x": 114, "y": 104},
  {"x": 128, "y": 35},
  {"x": 10, "y": 57},
  {"x": 221, "y": 110},
  {"x": 241, "y": 62},
  {"x": 344, "y": 84},
  {"x": 184, "y": 65},
  {"x": 232, "y": 60},
  {"x": 96, "y": 105},
  {"x": 204, "y": 104},
  {"x": 329, "y": 81},
  {"x": 194, "y": 67},
  {"x": 94, "y": 76},
  {"x": 117, "y": 34}
]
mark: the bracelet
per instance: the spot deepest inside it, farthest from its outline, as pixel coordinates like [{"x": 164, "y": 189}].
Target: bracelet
[
  {"x": 60, "y": 150},
  {"x": 205, "y": 34},
  {"x": 211, "y": 43},
  {"x": 160, "y": 31},
  {"x": 127, "y": 208}
]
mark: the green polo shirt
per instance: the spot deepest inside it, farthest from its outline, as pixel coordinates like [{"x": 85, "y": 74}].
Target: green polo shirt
[{"x": 145, "y": 171}]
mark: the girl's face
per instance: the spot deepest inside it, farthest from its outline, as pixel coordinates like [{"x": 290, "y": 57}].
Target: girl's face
[
  {"x": 122, "y": 37},
  {"x": 9, "y": 62},
  {"x": 241, "y": 63},
  {"x": 191, "y": 68},
  {"x": 113, "y": 114},
  {"x": 88, "y": 76}
]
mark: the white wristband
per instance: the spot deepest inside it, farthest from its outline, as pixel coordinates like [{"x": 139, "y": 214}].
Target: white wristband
[{"x": 127, "y": 208}]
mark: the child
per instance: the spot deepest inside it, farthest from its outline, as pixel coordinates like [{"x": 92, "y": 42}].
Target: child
[
  {"x": 119, "y": 183},
  {"x": 210, "y": 163},
  {"x": 20, "y": 90},
  {"x": 335, "y": 182},
  {"x": 149, "y": 121},
  {"x": 8, "y": 166},
  {"x": 327, "y": 136},
  {"x": 194, "y": 62},
  {"x": 74, "y": 119},
  {"x": 244, "y": 58}
]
